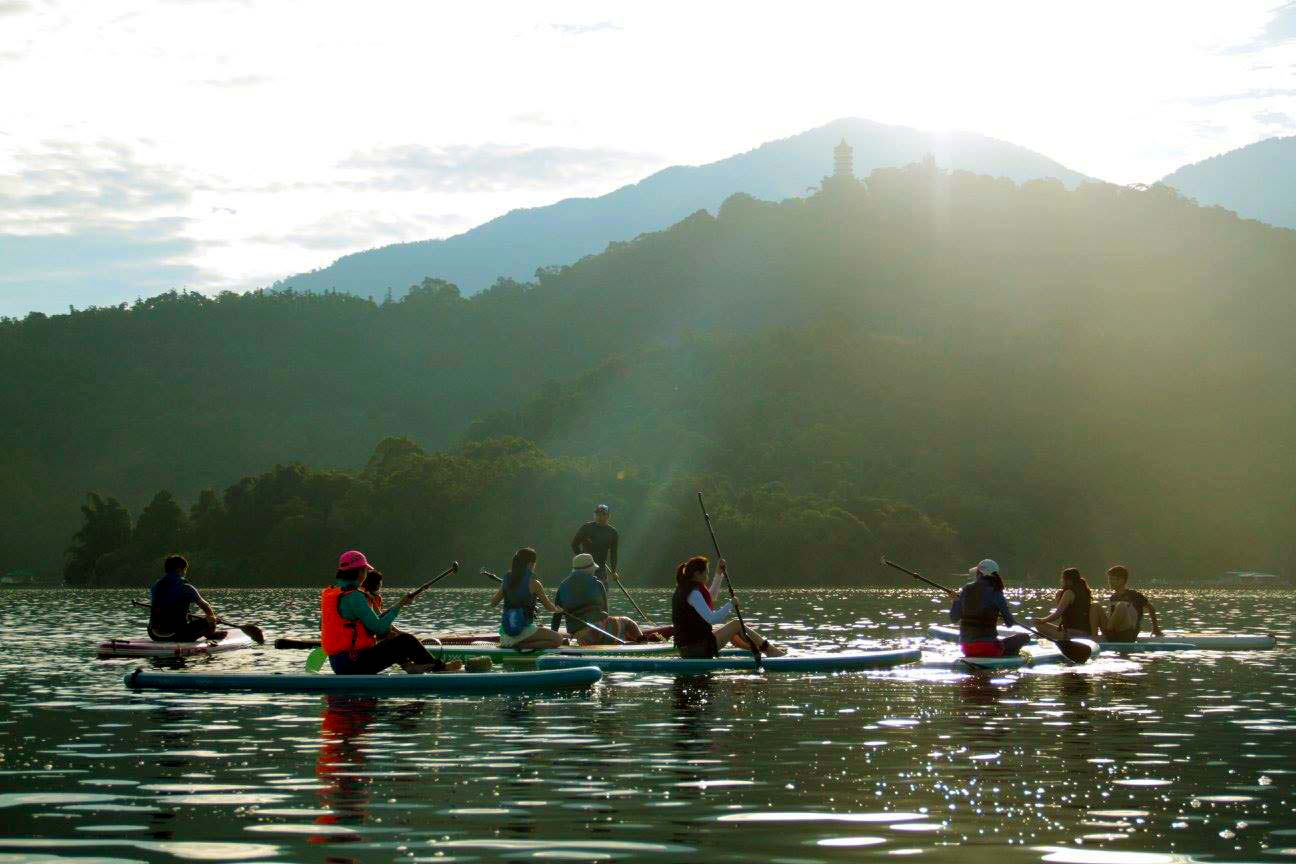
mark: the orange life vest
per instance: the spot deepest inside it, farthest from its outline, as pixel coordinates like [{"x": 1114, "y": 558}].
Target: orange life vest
[{"x": 338, "y": 634}]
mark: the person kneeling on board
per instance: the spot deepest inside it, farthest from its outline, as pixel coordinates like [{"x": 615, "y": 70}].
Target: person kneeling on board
[
  {"x": 693, "y": 613},
  {"x": 1072, "y": 613},
  {"x": 977, "y": 610},
  {"x": 350, "y": 629},
  {"x": 169, "y": 602},
  {"x": 1121, "y": 620},
  {"x": 583, "y": 599},
  {"x": 519, "y": 591}
]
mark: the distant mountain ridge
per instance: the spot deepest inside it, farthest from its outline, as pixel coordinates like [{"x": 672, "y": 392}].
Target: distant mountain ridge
[
  {"x": 1256, "y": 182},
  {"x": 516, "y": 244}
]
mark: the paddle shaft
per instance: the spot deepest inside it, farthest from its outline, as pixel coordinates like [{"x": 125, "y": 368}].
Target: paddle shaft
[
  {"x": 616, "y": 639},
  {"x": 950, "y": 591},
  {"x": 742, "y": 625},
  {"x": 453, "y": 568},
  {"x": 1067, "y": 646},
  {"x": 617, "y": 579}
]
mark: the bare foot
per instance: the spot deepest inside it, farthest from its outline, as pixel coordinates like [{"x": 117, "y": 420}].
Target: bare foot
[{"x": 773, "y": 650}]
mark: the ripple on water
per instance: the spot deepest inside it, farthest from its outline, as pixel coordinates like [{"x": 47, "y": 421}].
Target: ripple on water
[{"x": 817, "y": 816}]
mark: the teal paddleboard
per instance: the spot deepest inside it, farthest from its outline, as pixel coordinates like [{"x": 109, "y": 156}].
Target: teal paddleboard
[
  {"x": 800, "y": 663},
  {"x": 513, "y": 655},
  {"x": 582, "y": 675},
  {"x": 1148, "y": 642}
]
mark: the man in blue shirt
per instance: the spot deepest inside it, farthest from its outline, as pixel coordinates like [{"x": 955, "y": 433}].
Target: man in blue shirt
[
  {"x": 169, "y": 602},
  {"x": 977, "y": 610}
]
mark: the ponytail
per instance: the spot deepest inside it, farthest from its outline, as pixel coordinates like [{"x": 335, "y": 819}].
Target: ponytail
[{"x": 686, "y": 570}]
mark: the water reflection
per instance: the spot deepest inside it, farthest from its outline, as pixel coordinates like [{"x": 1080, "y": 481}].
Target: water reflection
[{"x": 1184, "y": 755}]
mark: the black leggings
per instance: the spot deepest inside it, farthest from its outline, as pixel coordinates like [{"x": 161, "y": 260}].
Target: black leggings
[
  {"x": 404, "y": 648},
  {"x": 192, "y": 630}
]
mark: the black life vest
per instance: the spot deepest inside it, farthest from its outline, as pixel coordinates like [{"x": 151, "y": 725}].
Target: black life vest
[
  {"x": 690, "y": 627},
  {"x": 980, "y": 618},
  {"x": 1076, "y": 616}
]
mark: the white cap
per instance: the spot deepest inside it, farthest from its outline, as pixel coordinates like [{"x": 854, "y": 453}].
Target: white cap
[
  {"x": 583, "y": 561},
  {"x": 987, "y": 567}
]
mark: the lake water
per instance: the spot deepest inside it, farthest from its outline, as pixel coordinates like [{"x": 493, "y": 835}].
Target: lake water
[{"x": 1164, "y": 758}]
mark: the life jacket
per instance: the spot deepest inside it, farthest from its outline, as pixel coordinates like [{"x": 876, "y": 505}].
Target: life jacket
[
  {"x": 584, "y": 596},
  {"x": 169, "y": 601},
  {"x": 519, "y": 604},
  {"x": 1076, "y": 616},
  {"x": 337, "y": 634},
  {"x": 690, "y": 627},
  {"x": 980, "y": 619}
]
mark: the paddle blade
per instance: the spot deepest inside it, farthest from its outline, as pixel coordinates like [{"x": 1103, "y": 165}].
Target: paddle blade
[
  {"x": 254, "y": 633},
  {"x": 315, "y": 660},
  {"x": 1076, "y": 651}
]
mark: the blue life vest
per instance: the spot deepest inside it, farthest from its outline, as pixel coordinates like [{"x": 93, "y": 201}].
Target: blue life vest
[
  {"x": 519, "y": 603},
  {"x": 583, "y": 595},
  {"x": 980, "y": 617}
]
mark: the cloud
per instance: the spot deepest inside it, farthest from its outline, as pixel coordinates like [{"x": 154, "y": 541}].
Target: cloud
[
  {"x": 236, "y": 81},
  {"x": 585, "y": 29},
  {"x": 1276, "y": 118},
  {"x": 488, "y": 167},
  {"x": 89, "y": 224},
  {"x": 94, "y": 264},
  {"x": 1253, "y": 93},
  {"x": 1280, "y": 29}
]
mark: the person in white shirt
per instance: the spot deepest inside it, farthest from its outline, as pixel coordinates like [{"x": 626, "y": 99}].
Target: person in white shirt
[{"x": 694, "y": 615}]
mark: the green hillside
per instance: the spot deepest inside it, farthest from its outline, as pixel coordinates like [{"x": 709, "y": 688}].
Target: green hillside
[{"x": 940, "y": 365}]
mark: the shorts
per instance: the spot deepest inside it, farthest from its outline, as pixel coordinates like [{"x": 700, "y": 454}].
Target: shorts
[
  {"x": 191, "y": 631},
  {"x": 703, "y": 649},
  {"x": 1122, "y": 636},
  {"x": 507, "y": 641}
]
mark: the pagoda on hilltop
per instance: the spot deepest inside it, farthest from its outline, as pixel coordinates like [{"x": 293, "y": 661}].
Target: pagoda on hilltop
[{"x": 843, "y": 176}]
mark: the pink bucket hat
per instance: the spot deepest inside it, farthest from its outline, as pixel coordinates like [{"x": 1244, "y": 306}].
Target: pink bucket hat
[{"x": 353, "y": 560}]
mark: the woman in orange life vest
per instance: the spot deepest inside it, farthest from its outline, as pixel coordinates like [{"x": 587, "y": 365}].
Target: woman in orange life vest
[
  {"x": 693, "y": 612},
  {"x": 349, "y": 628}
]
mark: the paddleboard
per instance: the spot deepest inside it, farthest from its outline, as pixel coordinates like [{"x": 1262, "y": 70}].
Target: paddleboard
[
  {"x": 798, "y": 663},
  {"x": 1210, "y": 641},
  {"x": 513, "y": 655},
  {"x": 395, "y": 683},
  {"x": 145, "y": 647},
  {"x": 307, "y": 643},
  {"x": 1027, "y": 657}
]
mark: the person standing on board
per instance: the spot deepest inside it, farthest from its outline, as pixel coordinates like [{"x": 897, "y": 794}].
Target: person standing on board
[
  {"x": 350, "y": 629},
  {"x": 519, "y": 591},
  {"x": 585, "y": 599},
  {"x": 693, "y": 613},
  {"x": 1072, "y": 611},
  {"x": 599, "y": 539},
  {"x": 1121, "y": 620},
  {"x": 977, "y": 610},
  {"x": 169, "y": 602}
]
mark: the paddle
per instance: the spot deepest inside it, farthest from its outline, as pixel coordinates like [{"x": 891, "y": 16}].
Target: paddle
[
  {"x": 316, "y": 658},
  {"x": 1076, "y": 652},
  {"x": 453, "y": 568},
  {"x": 616, "y": 577},
  {"x": 558, "y": 615},
  {"x": 742, "y": 625},
  {"x": 253, "y": 631}
]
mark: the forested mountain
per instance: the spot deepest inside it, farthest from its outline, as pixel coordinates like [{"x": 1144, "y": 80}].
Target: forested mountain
[
  {"x": 939, "y": 365},
  {"x": 1256, "y": 182},
  {"x": 516, "y": 244}
]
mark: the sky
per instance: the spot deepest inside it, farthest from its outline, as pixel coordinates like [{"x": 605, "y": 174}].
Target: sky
[{"x": 223, "y": 144}]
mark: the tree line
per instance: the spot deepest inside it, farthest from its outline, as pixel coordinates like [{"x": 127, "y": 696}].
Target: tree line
[{"x": 1056, "y": 377}]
